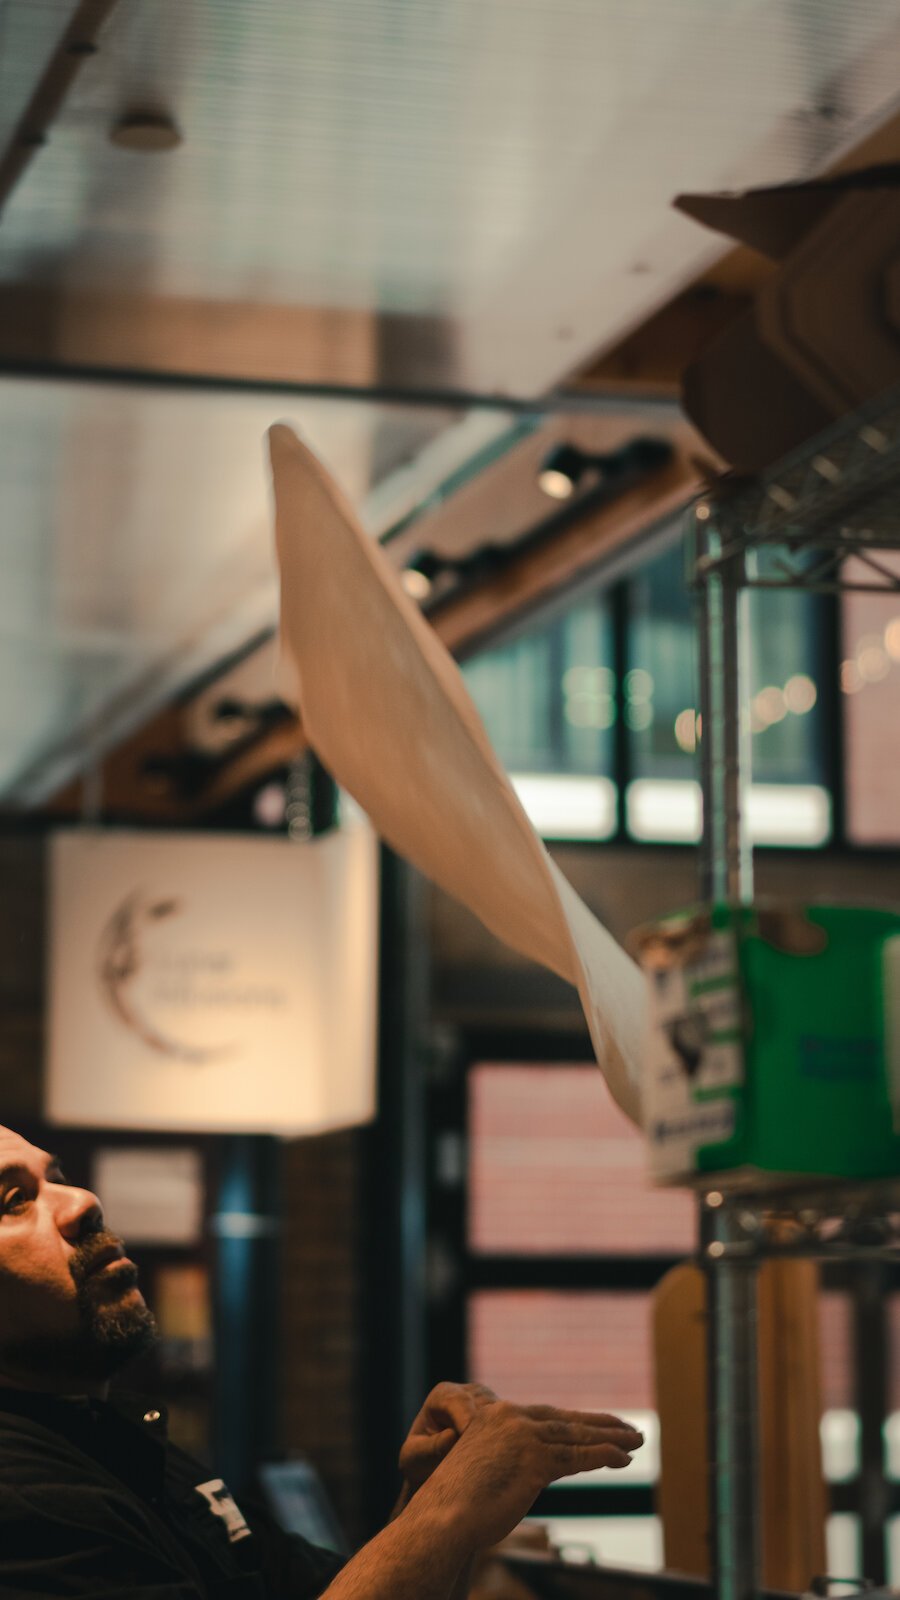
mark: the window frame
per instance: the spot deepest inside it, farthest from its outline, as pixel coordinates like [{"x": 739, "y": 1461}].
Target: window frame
[
  {"x": 614, "y": 576},
  {"x": 458, "y": 1271},
  {"x": 455, "y": 1271}
]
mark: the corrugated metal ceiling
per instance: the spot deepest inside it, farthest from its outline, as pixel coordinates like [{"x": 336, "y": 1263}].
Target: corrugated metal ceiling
[
  {"x": 504, "y": 164},
  {"x": 492, "y": 177}
]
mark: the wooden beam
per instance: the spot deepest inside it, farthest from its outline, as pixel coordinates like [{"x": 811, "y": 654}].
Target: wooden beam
[
  {"x": 655, "y": 355},
  {"x": 152, "y": 333}
]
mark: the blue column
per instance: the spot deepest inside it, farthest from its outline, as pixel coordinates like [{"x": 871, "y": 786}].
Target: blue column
[{"x": 246, "y": 1227}]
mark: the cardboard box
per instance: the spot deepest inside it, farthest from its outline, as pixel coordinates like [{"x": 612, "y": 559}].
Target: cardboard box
[
  {"x": 775, "y": 1043},
  {"x": 823, "y": 336}
]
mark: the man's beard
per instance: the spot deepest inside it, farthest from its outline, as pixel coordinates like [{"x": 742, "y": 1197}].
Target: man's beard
[{"x": 109, "y": 1334}]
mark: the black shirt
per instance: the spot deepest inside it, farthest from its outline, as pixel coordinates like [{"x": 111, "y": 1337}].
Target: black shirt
[{"x": 95, "y": 1502}]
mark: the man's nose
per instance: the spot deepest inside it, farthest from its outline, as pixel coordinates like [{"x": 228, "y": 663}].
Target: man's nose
[{"x": 78, "y": 1212}]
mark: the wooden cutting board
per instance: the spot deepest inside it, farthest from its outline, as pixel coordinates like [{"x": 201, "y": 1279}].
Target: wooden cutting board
[{"x": 793, "y": 1495}]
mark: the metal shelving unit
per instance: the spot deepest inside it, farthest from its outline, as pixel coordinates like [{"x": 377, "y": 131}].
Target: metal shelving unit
[{"x": 820, "y": 520}]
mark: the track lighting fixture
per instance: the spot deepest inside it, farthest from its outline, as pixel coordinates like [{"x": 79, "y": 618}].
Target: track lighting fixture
[{"x": 563, "y": 469}]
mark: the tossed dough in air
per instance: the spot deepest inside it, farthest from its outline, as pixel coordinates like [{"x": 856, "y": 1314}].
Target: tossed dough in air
[{"x": 385, "y": 708}]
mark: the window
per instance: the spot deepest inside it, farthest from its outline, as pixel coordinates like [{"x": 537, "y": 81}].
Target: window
[
  {"x": 547, "y": 1243},
  {"x": 598, "y": 709},
  {"x": 870, "y": 684},
  {"x": 546, "y": 1269},
  {"x": 577, "y": 1349},
  {"x": 555, "y": 1167},
  {"x": 548, "y": 702}
]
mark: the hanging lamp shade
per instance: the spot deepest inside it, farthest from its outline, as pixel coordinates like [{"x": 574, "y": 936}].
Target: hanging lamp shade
[{"x": 211, "y": 982}]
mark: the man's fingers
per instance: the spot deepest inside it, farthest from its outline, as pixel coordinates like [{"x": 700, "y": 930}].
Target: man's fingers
[
  {"x": 600, "y": 1419},
  {"x": 457, "y": 1409},
  {"x": 456, "y": 1403},
  {"x": 568, "y": 1459},
  {"x": 427, "y": 1447},
  {"x": 622, "y": 1437}
]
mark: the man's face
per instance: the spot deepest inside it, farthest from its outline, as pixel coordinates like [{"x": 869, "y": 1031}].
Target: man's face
[{"x": 70, "y": 1308}]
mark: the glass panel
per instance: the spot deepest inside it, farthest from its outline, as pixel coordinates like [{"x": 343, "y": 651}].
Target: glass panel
[
  {"x": 547, "y": 700},
  {"x": 892, "y": 1422},
  {"x": 513, "y": 688},
  {"x": 870, "y": 680},
  {"x": 839, "y": 1426},
  {"x": 555, "y": 1168},
  {"x": 892, "y": 1445},
  {"x": 614, "y": 1541},
  {"x": 892, "y": 1551},
  {"x": 836, "y": 1336},
  {"x": 777, "y": 813},
  {"x": 589, "y": 1351},
  {"x": 788, "y": 803},
  {"x": 660, "y": 687},
  {"x": 843, "y": 1545},
  {"x": 785, "y": 668},
  {"x": 588, "y": 686},
  {"x": 566, "y": 807},
  {"x": 839, "y": 1435}
]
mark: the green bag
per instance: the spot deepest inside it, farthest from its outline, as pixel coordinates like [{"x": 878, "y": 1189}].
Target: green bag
[{"x": 775, "y": 1044}]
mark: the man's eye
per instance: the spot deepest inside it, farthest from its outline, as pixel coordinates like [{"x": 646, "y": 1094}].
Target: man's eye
[{"x": 14, "y": 1202}]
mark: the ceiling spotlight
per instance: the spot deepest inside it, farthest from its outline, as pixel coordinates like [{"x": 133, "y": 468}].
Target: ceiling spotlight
[
  {"x": 232, "y": 716},
  {"x": 237, "y": 718},
  {"x": 561, "y": 471},
  {"x": 270, "y": 805},
  {"x": 177, "y": 776},
  {"x": 145, "y": 131},
  {"x": 565, "y": 466},
  {"x": 421, "y": 571},
  {"x": 416, "y": 584}
]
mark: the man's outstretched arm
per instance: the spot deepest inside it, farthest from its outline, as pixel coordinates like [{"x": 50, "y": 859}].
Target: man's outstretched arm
[{"x": 484, "y": 1486}]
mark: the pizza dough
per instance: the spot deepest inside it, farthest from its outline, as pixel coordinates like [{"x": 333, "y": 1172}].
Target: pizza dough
[{"x": 385, "y": 708}]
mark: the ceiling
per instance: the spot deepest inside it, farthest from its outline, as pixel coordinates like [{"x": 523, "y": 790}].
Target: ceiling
[{"x": 469, "y": 195}]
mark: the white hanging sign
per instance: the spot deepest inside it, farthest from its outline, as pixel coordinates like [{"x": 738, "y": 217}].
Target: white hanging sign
[{"x": 213, "y": 983}]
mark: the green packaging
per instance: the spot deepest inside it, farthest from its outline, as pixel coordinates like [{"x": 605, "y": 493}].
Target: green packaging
[{"x": 775, "y": 1043}]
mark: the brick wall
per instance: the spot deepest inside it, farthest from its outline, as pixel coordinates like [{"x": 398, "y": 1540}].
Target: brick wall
[
  {"x": 22, "y": 885},
  {"x": 321, "y": 1328}
]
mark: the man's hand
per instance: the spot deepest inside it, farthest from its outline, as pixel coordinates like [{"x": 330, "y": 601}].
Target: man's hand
[
  {"x": 505, "y": 1456},
  {"x": 486, "y": 1462},
  {"x": 442, "y": 1420}
]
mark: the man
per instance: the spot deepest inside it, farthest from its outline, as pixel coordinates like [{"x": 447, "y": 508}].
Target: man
[{"x": 95, "y": 1502}]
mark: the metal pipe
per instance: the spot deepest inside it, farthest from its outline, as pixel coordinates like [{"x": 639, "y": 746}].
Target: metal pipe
[
  {"x": 737, "y": 864},
  {"x": 725, "y": 756},
  {"x": 727, "y": 873},
  {"x": 607, "y": 402},
  {"x": 77, "y": 44},
  {"x": 733, "y": 1402}
]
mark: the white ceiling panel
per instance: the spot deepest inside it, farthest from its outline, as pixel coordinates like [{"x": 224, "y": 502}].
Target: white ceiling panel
[
  {"x": 505, "y": 164},
  {"x": 490, "y": 180},
  {"x": 135, "y": 549}
]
